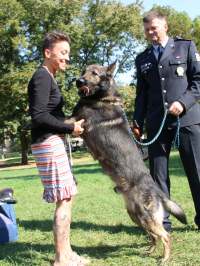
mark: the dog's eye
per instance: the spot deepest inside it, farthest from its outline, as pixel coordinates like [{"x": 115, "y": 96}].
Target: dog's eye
[
  {"x": 94, "y": 73},
  {"x": 83, "y": 72}
]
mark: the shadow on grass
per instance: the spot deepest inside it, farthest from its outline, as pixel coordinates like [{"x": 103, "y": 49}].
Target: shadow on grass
[
  {"x": 11, "y": 251},
  {"x": 21, "y": 253},
  {"x": 25, "y": 178},
  {"x": 46, "y": 226}
]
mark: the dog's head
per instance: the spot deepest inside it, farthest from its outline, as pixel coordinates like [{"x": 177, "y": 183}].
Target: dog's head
[{"x": 97, "y": 81}]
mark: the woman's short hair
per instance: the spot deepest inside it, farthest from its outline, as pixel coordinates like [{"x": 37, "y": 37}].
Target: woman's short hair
[
  {"x": 51, "y": 38},
  {"x": 153, "y": 14}
]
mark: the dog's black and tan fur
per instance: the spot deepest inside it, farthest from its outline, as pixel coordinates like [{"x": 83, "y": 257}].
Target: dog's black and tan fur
[{"x": 108, "y": 137}]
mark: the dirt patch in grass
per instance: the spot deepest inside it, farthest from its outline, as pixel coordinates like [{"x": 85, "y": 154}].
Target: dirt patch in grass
[
  {"x": 15, "y": 166},
  {"x": 31, "y": 163}
]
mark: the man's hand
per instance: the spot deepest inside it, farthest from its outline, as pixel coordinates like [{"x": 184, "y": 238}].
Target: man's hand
[
  {"x": 78, "y": 130},
  {"x": 176, "y": 108}
]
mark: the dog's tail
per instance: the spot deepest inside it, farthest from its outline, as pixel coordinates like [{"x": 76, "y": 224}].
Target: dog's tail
[{"x": 173, "y": 208}]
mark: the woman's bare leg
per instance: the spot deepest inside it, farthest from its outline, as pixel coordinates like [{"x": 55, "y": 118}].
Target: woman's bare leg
[{"x": 61, "y": 229}]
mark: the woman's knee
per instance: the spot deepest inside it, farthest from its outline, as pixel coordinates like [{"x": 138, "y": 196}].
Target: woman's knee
[{"x": 65, "y": 203}]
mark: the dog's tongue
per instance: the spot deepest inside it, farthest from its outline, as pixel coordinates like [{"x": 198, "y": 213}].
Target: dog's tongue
[{"x": 84, "y": 88}]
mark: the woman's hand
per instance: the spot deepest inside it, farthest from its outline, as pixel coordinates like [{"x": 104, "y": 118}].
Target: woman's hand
[{"x": 78, "y": 130}]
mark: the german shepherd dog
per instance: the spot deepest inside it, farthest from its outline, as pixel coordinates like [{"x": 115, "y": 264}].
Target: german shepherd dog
[{"x": 108, "y": 137}]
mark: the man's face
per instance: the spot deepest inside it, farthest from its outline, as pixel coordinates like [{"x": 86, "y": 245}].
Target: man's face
[{"x": 155, "y": 31}]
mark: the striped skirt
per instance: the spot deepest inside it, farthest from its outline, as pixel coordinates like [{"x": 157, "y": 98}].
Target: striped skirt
[{"x": 54, "y": 169}]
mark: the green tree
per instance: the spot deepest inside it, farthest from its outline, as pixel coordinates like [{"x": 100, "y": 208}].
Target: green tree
[
  {"x": 180, "y": 25},
  {"x": 101, "y": 31},
  {"x": 128, "y": 93},
  {"x": 196, "y": 32},
  {"x": 13, "y": 74}
]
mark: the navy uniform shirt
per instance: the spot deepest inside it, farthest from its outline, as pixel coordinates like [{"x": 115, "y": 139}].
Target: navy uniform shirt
[{"x": 175, "y": 78}]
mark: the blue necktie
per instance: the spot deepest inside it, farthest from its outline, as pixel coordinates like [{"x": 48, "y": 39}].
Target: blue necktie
[{"x": 159, "y": 52}]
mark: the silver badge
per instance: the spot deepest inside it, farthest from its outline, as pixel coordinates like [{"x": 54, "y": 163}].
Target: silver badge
[{"x": 180, "y": 71}]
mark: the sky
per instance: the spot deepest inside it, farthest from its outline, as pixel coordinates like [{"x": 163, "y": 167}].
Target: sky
[{"x": 191, "y": 7}]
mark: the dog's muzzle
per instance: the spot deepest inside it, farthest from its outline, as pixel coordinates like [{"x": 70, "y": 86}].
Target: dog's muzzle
[{"x": 80, "y": 84}]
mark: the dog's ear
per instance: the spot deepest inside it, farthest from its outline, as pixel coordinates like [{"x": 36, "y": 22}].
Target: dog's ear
[{"x": 111, "y": 68}]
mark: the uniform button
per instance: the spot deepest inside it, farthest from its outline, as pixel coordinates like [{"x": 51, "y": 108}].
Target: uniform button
[
  {"x": 166, "y": 103},
  {"x": 164, "y": 91},
  {"x": 160, "y": 66},
  {"x": 162, "y": 79}
]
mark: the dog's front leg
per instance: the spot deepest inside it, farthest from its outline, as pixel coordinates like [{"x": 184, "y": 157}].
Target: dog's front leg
[
  {"x": 28, "y": 125},
  {"x": 67, "y": 119}
]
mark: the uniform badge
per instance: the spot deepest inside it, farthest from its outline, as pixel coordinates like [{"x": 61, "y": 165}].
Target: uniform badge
[
  {"x": 197, "y": 56},
  {"x": 180, "y": 71}
]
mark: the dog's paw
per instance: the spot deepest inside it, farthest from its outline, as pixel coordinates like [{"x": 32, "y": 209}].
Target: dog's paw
[{"x": 163, "y": 262}]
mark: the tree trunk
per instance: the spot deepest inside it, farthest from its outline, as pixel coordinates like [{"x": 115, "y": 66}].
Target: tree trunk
[{"x": 24, "y": 142}]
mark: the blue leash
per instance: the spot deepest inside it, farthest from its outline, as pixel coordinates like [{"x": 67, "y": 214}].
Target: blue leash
[{"x": 176, "y": 143}]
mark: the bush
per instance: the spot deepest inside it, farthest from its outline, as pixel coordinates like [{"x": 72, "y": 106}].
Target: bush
[
  {"x": 11, "y": 155},
  {"x": 1, "y": 156}
]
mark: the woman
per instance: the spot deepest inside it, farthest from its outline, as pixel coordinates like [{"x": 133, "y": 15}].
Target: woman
[{"x": 46, "y": 102}]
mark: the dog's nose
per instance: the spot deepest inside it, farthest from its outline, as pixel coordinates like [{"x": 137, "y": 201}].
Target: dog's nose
[{"x": 80, "y": 82}]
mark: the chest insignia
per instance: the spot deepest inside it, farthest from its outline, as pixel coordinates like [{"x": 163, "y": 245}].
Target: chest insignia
[
  {"x": 197, "y": 56},
  {"x": 180, "y": 71},
  {"x": 145, "y": 67}
]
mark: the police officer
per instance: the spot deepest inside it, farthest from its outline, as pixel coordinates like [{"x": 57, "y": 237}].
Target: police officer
[{"x": 168, "y": 78}]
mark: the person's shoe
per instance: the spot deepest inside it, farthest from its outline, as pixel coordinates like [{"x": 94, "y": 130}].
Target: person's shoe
[
  {"x": 6, "y": 196},
  {"x": 167, "y": 228},
  {"x": 78, "y": 259},
  {"x": 70, "y": 263}
]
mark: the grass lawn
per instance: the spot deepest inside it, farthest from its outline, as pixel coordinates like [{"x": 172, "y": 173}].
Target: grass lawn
[{"x": 101, "y": 228}]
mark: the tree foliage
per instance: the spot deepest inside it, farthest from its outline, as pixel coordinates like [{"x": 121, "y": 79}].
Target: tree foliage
[
  {"x": 101, "y": 32},
  {"x": 128, "y": 93},
  {"x": 180, "y": 24}
]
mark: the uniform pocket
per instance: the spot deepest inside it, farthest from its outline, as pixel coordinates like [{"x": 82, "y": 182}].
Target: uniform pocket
[{"x": 178, "y": 67}]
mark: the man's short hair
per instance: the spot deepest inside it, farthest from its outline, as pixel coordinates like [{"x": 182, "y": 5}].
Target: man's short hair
[
  {"x": 153, "y": 14},
  {"x": 51, "y": 38}
]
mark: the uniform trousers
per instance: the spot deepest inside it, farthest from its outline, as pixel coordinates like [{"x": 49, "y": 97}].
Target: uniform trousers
[{"x": 189, "y": 151}]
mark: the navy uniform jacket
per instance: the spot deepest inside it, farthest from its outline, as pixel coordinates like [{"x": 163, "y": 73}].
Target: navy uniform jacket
[{"x": 175, "y": 78}]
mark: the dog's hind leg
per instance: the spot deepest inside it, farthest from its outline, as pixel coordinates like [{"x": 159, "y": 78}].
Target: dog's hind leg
[
  {"x": 158, "y": 230},
  {"x": 154, "y": 242}
]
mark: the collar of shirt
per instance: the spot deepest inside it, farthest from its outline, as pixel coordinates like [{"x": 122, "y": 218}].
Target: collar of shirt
[{"x": 163, "y": 46}]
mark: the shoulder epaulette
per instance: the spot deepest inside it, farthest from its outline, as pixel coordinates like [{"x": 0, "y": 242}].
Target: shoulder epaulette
[
  {"x": 142, "y": 52},
  {"x": 179, "y": 39}
]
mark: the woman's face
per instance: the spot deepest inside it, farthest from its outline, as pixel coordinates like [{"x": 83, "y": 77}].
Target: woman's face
[{"x": 58, "y": 55}]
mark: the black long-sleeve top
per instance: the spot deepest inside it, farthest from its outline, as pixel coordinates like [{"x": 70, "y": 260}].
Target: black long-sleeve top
[{"x": 45, "y": 102}]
